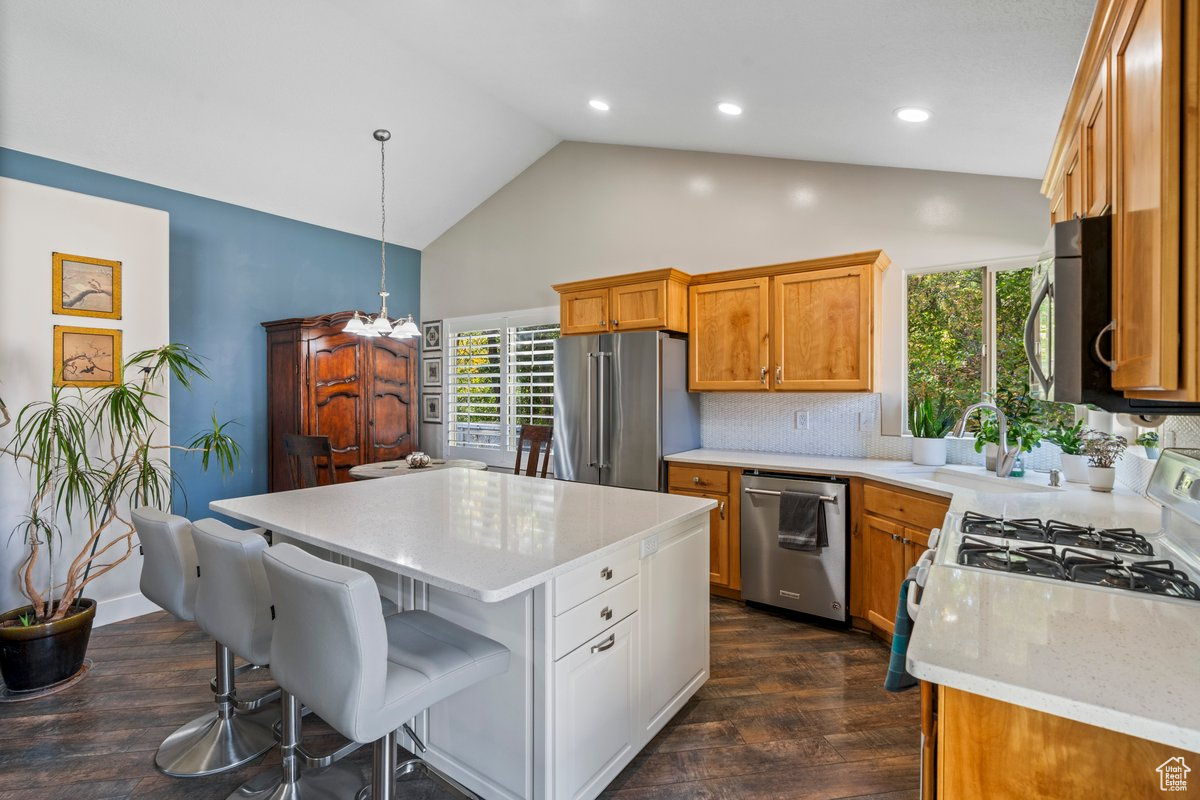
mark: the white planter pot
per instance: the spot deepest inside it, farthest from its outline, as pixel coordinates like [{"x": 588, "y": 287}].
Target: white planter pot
[
  {"x": 1101, "y": 479},
  {"x": 929, "y": 452},
  {"x": 1151, "y": 453},
  {"x": 1075, "y": 468},
  {"x": 1100, "y": 421}
]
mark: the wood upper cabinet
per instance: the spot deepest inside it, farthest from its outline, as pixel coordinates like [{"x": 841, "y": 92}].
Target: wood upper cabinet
[
  {"x": 583, "y": 311},
  {"x": 1073, "y": 183},
  {"x": 1147, "y": 70},
  {"x": 822, "y": 330},
  {"x": 360, "y": 392},
  {"x": 729, "y": 345},
  {"x": 643, "y": 301},
  {"x": 1095, "y": 146}
]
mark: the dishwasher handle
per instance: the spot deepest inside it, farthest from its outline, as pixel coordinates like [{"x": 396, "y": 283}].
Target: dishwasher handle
[{"x": 825, "y": 498}]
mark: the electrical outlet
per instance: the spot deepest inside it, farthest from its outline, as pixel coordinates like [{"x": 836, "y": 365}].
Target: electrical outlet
[
  {"x": 866, "y": 421},
  {"x": 649, "y": 546},
  {"x": 801, "y": 421}
]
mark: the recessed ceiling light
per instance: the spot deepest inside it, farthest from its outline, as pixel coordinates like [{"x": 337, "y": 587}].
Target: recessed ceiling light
[
  {"x": 912, "y": 114},
  {"x": 732, "y": 109},
  {"x": 598, "y": 104}
]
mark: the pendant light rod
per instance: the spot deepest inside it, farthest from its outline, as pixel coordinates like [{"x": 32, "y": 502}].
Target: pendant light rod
[{"x": 381, "y": 135}]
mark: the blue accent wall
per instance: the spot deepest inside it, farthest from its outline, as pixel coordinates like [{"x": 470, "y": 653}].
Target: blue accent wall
[{"x": 232, "y": 268}]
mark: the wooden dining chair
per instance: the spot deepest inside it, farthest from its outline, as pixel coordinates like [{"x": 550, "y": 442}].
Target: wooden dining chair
[
  {"x": 538, "y": 438},
  {"x": 302, "y": 453}
]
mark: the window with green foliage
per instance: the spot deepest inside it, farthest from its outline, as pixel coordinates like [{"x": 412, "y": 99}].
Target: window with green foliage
[
  {"x": 966, "y": 339},
  {"x": 499, "y": 376}
]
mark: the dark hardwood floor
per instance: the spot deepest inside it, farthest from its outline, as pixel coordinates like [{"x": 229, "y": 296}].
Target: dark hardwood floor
[{"x": 791, "y": 711}]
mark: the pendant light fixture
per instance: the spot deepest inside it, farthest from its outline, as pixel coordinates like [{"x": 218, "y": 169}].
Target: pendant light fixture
[{"x": 380, "y": 325}]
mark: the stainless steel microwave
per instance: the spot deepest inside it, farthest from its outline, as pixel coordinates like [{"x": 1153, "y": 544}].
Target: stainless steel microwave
[{"x": 1070, "y": 322}]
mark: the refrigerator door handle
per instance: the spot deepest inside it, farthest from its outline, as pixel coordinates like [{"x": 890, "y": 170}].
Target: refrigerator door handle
[
  {"x": 591, "y": 411},
  {"x": 602, "y": 404}
]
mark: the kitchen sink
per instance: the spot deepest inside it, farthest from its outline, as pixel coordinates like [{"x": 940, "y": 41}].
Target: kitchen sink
[{"x": 975, "y": 478}]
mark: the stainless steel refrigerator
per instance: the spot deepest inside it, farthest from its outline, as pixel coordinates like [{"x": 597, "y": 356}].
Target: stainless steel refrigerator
[{"x": 620, "y": 405}]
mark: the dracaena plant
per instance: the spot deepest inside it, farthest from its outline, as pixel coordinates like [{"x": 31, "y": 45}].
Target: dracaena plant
[
  {"x": 88, "y": 457},
  {"x": 931, "y": 417}
]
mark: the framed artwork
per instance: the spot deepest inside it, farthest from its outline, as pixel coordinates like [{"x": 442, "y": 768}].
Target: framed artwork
[
  {"x": 86, "y": 287},
  {"x": 431, "y": 408},
  {"x": 86, "y": 356},
  {"x": 431, "y": 373},
  {"x": 431, "y": 336}
]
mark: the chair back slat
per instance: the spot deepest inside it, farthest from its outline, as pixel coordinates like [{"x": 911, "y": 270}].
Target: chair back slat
[
  {"x": 302, "y": 453},
  {"x": 538, "y": 437}
]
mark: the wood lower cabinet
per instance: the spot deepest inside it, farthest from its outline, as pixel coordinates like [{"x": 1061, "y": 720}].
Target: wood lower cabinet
[
  {"x": 989, "y": 748},
  {"x": 729, "y": 347},
  {"x": 886, "y": 541},
  {"x": 360, "y": 392},
  {"x": 725, "y": 544}
]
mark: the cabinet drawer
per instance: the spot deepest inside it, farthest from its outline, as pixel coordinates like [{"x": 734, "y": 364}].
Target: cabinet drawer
[
  {"x": 591, "y": 617},
  {"x": 585, "y": 582},
  {"x": 918, "y": 512},
  {"x": 694, "y": 478}
]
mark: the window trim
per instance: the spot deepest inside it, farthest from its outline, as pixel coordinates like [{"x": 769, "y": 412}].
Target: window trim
[
  {"x": 451, "y": 327},
  {"x": 990, "y": 270}
]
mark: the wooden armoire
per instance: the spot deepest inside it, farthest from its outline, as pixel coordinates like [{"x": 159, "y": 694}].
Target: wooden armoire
[{"x": 360, "y": 392}]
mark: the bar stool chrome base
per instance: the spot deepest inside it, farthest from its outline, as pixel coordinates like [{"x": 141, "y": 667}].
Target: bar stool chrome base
[
  {"x": 384, "y": 761},
  {"x": 236, "y": 733}
]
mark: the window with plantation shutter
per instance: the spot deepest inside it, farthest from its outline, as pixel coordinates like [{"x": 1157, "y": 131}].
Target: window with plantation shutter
[{"x": 499, "y": 376}]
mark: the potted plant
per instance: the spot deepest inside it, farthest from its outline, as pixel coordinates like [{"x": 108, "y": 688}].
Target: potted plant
[
  {"x": 1103, "y": 451},
  {"x": 1070, "y": 439},
  {"x": 88, "y": 457},
  {"x": 1149, "y": 440},
  {"x": 987, "y": 438},
  {"x": 930, "y": 420}
]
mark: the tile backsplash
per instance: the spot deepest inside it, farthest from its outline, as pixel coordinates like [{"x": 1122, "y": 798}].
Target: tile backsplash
[{"x": 848, "y": 425}]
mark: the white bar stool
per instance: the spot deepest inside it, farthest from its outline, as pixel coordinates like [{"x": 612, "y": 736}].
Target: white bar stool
[
  {"x": 238, "y": 731},
  {"x": 363, "y": 673}
]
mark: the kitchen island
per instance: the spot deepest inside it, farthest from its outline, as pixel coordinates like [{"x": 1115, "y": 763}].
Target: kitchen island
[{"x": 600, "y": 593}]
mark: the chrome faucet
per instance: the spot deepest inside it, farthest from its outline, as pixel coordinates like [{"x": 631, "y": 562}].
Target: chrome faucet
[{"x": 1006, "y": 458}]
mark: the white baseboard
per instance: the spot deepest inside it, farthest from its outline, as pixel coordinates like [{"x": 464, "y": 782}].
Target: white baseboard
[{"x": 119, "y": 609}]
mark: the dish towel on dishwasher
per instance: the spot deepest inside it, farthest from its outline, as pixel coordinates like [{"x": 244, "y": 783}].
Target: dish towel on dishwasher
[
  {"x": 898, "y": 679},
  {"x": 801, "y": 521}
]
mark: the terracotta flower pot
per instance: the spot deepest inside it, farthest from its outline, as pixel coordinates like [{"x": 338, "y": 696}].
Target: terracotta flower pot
[{"x": 36, "y": 656}]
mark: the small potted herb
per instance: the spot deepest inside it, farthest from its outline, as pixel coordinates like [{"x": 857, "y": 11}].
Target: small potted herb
[
  {"x": 1103, "y": 451},
  {"x": 1070, "y": 441},
  {"x": 930, "y": 420},
  {"x": 1149, "y": 440}
]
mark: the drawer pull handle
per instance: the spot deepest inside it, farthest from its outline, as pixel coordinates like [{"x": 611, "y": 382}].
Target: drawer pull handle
[
  {"x": 606, "y": 644},
  {"x": 721, "y": 509},
  {"x": 606, "y": 613},
  {"x": 696, "y": 479},
  {"x": 762, "y": 376},
  {"x": 778, "y": 375},
  {"x": 606, "y": 573}
]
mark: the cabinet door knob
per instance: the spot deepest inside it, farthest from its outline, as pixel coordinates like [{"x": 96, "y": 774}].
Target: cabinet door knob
[
  {"x": 606, "y": 613},
  {"x": 606, "y": 644},
  {"x": 615, "y": 323},
  {"x": 721, "y": 509},
  {"x": 696, "y": 479},
  {"x": 895, "y": 538},
  {"x": 778, "y": 374},
  {"x": 762, "y": 376},
  {"x": 606, "y": 573}
]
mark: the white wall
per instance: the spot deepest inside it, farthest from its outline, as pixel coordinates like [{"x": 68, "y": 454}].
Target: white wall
[
  {"x": 587, "y": 210},
  {"x": 36, "y": 221}
]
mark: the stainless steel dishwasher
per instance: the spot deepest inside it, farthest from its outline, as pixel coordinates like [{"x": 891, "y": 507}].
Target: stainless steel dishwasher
[{"x": 810, "y": 582}]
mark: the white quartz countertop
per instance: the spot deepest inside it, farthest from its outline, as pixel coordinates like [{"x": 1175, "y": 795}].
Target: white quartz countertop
[
  {"x": 1118, "y": 660},
  {"x": 486, "y": 535},
  {"x": 1022, "y": 497}
]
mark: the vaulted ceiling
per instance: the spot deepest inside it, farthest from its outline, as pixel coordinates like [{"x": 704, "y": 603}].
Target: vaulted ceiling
[{"x": 270, "y": 104}]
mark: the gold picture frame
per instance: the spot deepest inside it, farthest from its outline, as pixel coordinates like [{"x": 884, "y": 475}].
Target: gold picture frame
[
  {"x": 86, "y": 287},
  {"x": 87, "y": 357}
]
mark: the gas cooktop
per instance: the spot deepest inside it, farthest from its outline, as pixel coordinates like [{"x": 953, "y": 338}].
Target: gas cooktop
[{"x": 1118, "y": 540}]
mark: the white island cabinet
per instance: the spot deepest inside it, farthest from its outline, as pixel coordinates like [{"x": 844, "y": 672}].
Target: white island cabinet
[{"x": 600, "y": 593}]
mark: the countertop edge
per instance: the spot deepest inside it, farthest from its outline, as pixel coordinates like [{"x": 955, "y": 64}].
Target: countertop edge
[{"x": 473, "y": 592}]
